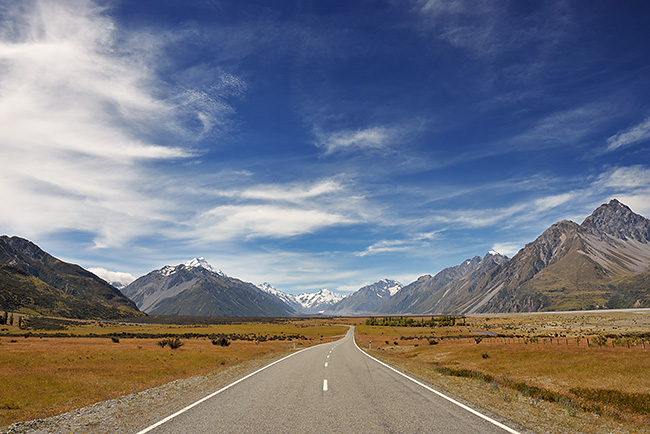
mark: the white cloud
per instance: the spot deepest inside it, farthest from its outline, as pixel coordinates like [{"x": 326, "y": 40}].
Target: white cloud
[
  {"x": 625, "y": 177},
  {"x": 376, "y": 138},
  {"x": 80, "y": 108},
  {"x": 548, "y": 202},
  {"x": 630, "y": 136},
  {"x": 508, "y": 249},
  {"x": 254, "y": 221},
  {"x": 387, "y": 246},
  {"x": 287, "y": 192},
  {"x": 113, "y": 276}
]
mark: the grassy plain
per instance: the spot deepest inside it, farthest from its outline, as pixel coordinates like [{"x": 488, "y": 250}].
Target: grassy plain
[
  {"x": 45, "y": 374},
  {"x": 529, "y": 367}
]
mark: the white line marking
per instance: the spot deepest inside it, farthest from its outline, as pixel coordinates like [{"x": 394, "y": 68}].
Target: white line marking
[
  {"x": 324, "y": 385},
  {"x": 328, "y": 356},
  {"x": 453, "y": 401},
  {"x": 326, "y": 364},
  {"x": 183, "y": 410}
]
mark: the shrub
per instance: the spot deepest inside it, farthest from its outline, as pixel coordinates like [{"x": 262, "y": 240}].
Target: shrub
[
  {"x": 433, "y": 342},
  {"x": 221, "y": 340},
  {"x": 115, "y": 339},
  {"x": 478, "y": 339},
  {"x": 485, "y": 355},
  {"x": 172, "y": 342}
]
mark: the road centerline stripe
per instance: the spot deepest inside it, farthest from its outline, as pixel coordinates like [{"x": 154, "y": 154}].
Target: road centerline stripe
[
  {"x": 194, "y": 404},
  {"x": 324, "y": 385}
]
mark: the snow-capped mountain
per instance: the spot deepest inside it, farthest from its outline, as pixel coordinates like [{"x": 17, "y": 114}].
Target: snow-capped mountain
[
  {"x": 195, "y": 288},
  {"x": 201, "y": 262},
  {"x": 289, "y": 299},
  {"x": 366, "y": 299},
  {"x": 318, "y": 302}
]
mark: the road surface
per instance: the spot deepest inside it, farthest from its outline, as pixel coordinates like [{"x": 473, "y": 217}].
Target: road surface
[{"x": 329, "y": 388}]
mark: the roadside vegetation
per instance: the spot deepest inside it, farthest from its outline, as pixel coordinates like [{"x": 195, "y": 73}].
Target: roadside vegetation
[
  {"x": 68, "y": 364},
  {"x": 586, "y": 371}
]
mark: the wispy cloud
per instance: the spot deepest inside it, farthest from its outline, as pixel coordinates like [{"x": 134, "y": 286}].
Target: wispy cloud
[
  {"x": 253, "y": 221},
  {"x": 83, "y": 115},
  {"x": 370, "y": 139},
  {"x": 629, "y": 136},
  {"x": 287, "y": 192}
]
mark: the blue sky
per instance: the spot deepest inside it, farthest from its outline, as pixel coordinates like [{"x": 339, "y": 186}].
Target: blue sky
[{"x": 316, "y": 144}]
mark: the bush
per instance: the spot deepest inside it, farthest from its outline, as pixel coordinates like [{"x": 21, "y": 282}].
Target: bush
[
  {"x": 478, "y": 339},
  {"x": 115, "y": 339},
  {"x": 172, "y": 342},
  {"x": 433, "y": 342},
  {"x": 485, "y": 355},
  {"x": 221, "y": 340}
]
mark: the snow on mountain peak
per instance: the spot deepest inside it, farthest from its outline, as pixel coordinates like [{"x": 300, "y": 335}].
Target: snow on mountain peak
[
  {"x": 201, "y": 262},
  {"x": 167, "y": 270},
  {"x": 322, "y": 298}
]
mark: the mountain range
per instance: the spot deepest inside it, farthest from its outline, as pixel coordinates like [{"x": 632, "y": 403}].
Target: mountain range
[
  {"x": 197, "y": 289},
  {"x": 367, "y": 299},
  {"x": 604, "y": 262}
]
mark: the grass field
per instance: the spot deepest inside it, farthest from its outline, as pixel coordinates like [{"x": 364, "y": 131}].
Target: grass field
[
  {"x": 535, "y": 358},
  {"x": 42, "y": 375}
]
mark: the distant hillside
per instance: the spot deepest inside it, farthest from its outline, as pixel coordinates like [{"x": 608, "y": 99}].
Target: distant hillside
[
  {"x": 197, "y": 289},
  {"x": 37, "y": 282}
]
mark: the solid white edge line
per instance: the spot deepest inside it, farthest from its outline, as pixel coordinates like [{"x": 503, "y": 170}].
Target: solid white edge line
[
  {"x": 183, "y": 410},
  {"x": 453, "y": 401}
]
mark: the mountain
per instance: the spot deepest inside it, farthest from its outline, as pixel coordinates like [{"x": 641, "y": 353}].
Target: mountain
[
  {"x": 35, "y": 281},
  {"x": 437, "y": 294},
  {"x": 318, "y": 302},
  {"x": 197, "y": 289},
  {"x": 288, "y": 299},
  {"x": 367, "y": 299},
  {"x": 603, "y": 262}
]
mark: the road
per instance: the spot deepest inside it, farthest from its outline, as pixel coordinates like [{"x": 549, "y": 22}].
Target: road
[{"x": 329, "y": 388}]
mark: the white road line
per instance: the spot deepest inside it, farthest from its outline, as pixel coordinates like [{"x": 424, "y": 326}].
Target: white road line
[
  {"x": 326, "y": 364},
  {"x": 183, "y": 410},
  {"x": 324, "y": 385},
  {"x": 453, "y": 401},
  {"x": 328, "y": 356}
]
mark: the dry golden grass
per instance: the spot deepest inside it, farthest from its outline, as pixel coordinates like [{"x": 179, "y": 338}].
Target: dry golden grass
[
  {"x": 558, "y": 362},
  {"x": 43, "y": 376}
]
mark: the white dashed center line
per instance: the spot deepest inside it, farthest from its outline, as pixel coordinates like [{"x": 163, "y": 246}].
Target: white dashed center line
[
  {"x": 324, "y": 385},
  {"x": 326, "y": 364}
]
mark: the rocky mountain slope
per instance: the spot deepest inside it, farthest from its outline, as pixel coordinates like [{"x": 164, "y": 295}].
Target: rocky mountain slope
[
  {"x": 367, "y": 299},
  {"x": 437, "y": 294},
  {"x": 602, "y": 262},
  {"x": 34, "y": 281},
  {"x": 197, "y": 289},
  {"x": 289, "y": 299}
]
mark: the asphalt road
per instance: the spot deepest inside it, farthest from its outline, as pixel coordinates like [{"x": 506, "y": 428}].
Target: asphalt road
[{"x": 329, "y": 388}]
